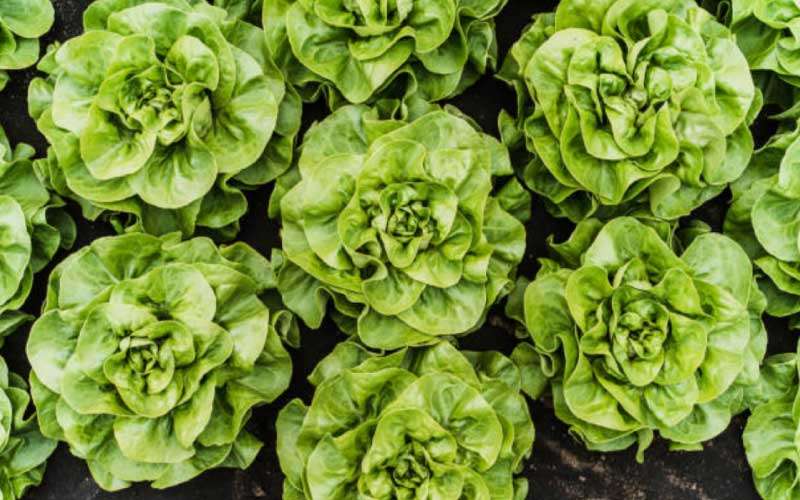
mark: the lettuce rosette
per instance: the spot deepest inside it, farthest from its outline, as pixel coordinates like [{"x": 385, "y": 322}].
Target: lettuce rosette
[
  {"x": 430, "y": 422},
  {"x": 366, "y": 51},
  {"x": 398, "y": 224},
  {"x": 161, "y": 113},
  {"x": 33, "y": 224},
  {"x": 634, "y": 339},
  {"x": 151, "y": 354},
  {"x": 629, "y": 106}
]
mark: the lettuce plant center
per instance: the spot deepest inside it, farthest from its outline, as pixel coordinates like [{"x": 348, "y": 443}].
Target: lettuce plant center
[
  {"x": 142, "y": 354},
  {"x": 411, "y": 468},
  {"x": 371, "y": 13}
]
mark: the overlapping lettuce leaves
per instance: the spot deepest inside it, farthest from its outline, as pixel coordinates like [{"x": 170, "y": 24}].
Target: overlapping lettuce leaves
[
  {"x": 161, "y": 113},
  {"x": 629, "y": 104},
  {"x": 770, "y": 434},
  {"x": 362, "y": 51},
  {"x": 768, "y": 33},
  {"x": 396, "y": 222},
  {"x": 428, "y": 422},
  {"x": 634, "y": 339},
  {"x": 33, "y": 226},
  {"x": 22, "y": 22},
  {"x": 248, "y": 10},
  {"x": 23, "y": 449},
  {"x": 763, "y": 219},
  {"x": 151, "y": 353}
]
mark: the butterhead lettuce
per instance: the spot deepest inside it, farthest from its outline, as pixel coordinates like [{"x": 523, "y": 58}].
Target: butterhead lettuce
[
  {"x": 763, "y": 219},
  {"x": 769, "y": 436},
  {"x": 33, "y": 225},
  {"x": 23, "y": 449},
  {"x": 766, "y": 33},
  {"x": 363, "y": 51},
  {"x": 629, "y": 105},
  {"x": 151, "y": 353},
  {"x": 635, "y": 339},
  {"x": 161, "y": 113},
  {"x": 398, "y": 224},
  {"x": 429, "y": 422},
  {"x": 22, "y": 22}
]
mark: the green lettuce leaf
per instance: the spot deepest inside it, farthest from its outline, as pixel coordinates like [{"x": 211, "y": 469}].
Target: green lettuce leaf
[
  {"x": 770, "y": 434},
  {"x": 23, "y": 449},
  {"x": 762, "y": 218},
  {"x": 34, "y": 225},
  {"x": 22, "y": 22},
  {"x": 765, "y": 32}
]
